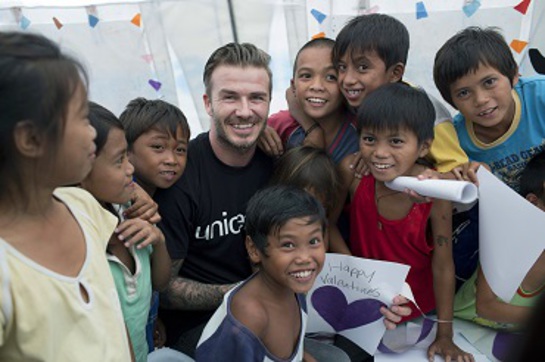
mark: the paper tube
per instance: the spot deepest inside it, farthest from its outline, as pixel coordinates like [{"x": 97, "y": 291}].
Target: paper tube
[{"x": 459, "y": 191}]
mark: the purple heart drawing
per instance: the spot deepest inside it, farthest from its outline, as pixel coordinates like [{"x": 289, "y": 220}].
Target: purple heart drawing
[
  {"x": 503, "y": 343},
  {"x": 332, "y": 306}
]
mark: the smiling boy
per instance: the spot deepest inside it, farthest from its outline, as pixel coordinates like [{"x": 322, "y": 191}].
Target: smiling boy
[
  {"x": 501, "y": 121},
  {"x": 264, "y": 317}
]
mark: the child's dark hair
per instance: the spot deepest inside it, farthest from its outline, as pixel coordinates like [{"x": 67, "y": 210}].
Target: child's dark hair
[
  {"x": 533, "y": 176},
  {"x": 271, "y": 208},
  {"x": 381, "y": 33},
  {"x": 141, "y": 115},
  {"x": 397, "y": 106},
  {"x": 103, "y": 121},
  {"x": 310, "y": 169},
  {"x": 37, "y": 83},
  {"x": 466, "y": 51},
  {"x": 313, "y": 43}
]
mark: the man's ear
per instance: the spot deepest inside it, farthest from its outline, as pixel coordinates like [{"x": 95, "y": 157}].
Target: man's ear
[
  {"x": 396, "y": 72},
  {"x": 28, "y": 141},
  {"x": 207, "y": 104},
  {"x": 253, "y": 251},
  {"x": 425, "y": 148}
]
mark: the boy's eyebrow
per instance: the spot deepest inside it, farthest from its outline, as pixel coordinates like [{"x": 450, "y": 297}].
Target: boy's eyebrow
[{"x": 119, "y": 152}]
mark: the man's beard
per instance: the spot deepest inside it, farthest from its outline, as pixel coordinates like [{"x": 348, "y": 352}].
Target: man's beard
[{"x": 240, "y": 148}]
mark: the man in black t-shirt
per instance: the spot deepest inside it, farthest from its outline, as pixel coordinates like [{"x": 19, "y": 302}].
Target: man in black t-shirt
[{"x": 204, "y": 212}]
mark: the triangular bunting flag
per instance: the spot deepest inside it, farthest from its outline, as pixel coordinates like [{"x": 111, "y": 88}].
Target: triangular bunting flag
[
  {"x": 25, "y": 22},
  {"x": 148, "y": 58},
  {"x": 319, "y": 35},
  {"x": 518, "y": 45},
  {"x": 421, "y": 10},
  {"x": 155, "y": 84},
  {"x": 523, "y": 6},
  {"x": 93, "y": 21},
  {"x": 58, "y": 24},
  {"x": 136, "y": 19},
  {"x": 318, "y": 15},
  {"x": 471, "y": 7}
]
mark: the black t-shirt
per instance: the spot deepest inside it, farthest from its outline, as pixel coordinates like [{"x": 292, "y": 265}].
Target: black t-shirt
[{"x": 203, "y": 219}]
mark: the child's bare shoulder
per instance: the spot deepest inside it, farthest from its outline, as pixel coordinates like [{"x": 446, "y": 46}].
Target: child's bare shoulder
[{"x": 250, "y": 311}]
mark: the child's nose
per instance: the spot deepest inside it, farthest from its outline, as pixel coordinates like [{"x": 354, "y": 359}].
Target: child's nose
[
  {"x": 170, "y": 158},
  {"x": 130, "y": 169},
  {"x": 317, "y": 85},
  {"x": 481, "y": 97}
]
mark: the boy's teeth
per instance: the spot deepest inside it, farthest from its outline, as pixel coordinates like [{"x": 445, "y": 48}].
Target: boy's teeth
[
  {"x": 353, "y": 92},
  {"x": 302, "y": 274},
  {"x": 488, "y": 111},
  {"x": 316, "y": 100},
  {"x": 382, "y": 166}
]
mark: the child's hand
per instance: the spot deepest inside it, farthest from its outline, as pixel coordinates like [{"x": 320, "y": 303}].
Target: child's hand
[
  {"x": 138, "y": 231},
  {"x": 428, "y": 174},
  {"x": 270, "y": 142},
  {"x": 445, "y": 347},
  {"x": 307, "y": 357},
  {"x": 143, "y": 207},
  {"x": 159, "y": 334},
  {"x": 468, "y": 171},
  {"x": 393, "y": 315},
  {"x": 359, "y": 166}
]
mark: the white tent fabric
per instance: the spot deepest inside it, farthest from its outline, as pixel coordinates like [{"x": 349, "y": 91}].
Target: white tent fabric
[{"x": 161, "y": 53}]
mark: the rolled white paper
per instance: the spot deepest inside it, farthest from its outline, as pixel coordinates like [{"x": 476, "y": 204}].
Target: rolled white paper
[{"x": 459, "y": 191}]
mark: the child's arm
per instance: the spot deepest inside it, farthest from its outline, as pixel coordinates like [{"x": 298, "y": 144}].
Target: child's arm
[
  {"x": 445, "y": 152},
  {"x": 314, "y": 134},
  {"x": 488, "y": 305},
  {"x": 131, "y": 349},
  {"x": 336, "y": 242},
  {"x": 443, "y": 282},
  {"x": 269, "y": 142},
  {"x": 143, "y": 206},
  {"x": 141, "y": 233}
]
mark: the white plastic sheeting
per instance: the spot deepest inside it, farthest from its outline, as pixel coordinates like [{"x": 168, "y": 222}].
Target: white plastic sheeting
[{"x": 163, "y": 55}]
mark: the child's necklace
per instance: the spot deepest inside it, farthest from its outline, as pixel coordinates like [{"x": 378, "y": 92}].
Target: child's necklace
[{"x": 377, "y": 200}]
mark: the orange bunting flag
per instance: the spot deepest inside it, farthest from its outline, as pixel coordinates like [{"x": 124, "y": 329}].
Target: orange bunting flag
[
  {"x": 319, "y": 35},
  {"x": 136, "y": 19},
  {"x": 58, "y": 24},
  {"x": 518, "y": 45}
]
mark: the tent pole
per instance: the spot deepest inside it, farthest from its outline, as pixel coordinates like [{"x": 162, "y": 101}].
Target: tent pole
[{"x": 233, "y": 22}]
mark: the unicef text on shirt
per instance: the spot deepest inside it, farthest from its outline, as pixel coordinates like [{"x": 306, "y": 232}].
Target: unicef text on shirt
[{"x": 221, "y": 227}]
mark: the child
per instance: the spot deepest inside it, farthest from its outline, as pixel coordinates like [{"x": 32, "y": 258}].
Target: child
[
  {"x": 372, "y": 50},
  {"x": 312, "y": 169},
  {"x": 58, "y": 300},
  {"x": 477, "y": 302},
  {"x": 137, "y": 254},
  {"x": 264, "y": 317},
  {"x": 501, "y": 121},
  {"x": 316, "y": 105},
  {"x": 158, "y": 134},
  {"x": 309, "y": 169},
  {"x": 396, "y": 131}
]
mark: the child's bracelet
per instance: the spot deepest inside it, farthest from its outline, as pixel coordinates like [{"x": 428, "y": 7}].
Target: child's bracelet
[{"x": 311, "y": 128}]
